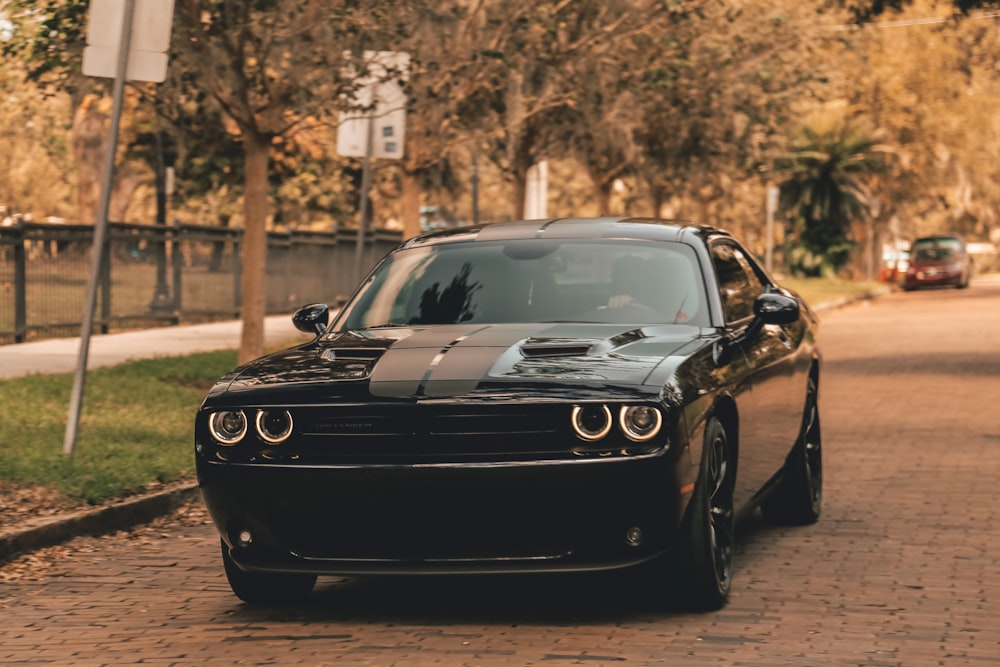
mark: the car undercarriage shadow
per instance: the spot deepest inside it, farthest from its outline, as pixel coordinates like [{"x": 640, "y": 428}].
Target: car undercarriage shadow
[
  {"x": 536, "y": 599},
  {"x": 533, "y": 599}
]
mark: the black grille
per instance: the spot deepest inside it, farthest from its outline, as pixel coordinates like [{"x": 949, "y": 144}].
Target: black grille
[
  {"x": 511, "y": 424},
  {"x": 429, "y": 434}
]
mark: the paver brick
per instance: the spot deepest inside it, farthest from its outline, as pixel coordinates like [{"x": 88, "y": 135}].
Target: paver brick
[{"x": 902, "y": 570}]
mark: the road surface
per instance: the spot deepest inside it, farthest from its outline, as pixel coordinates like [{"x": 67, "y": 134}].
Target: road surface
[{"x": 902, "y": 569}]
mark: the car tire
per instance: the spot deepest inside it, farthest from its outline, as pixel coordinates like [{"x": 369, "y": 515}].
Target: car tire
[
  {"x": 712, "y": 534},
  {"x": 798, "y": 499},
  {"x": 265, "y": 587}
]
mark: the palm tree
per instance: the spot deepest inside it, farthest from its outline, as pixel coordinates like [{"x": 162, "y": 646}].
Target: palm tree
[{"x": 825, "y": 190}]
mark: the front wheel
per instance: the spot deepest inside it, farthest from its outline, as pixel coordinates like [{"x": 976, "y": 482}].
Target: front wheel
[
  {"x": 712, "y": 534},
  {"x": 265, "y": 587}
]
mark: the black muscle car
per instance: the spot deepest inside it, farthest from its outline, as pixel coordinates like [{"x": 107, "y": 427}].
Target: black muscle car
[{"x": 543, "y": 396}]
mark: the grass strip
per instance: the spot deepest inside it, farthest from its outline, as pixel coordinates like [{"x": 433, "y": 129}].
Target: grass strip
[{"x": 136, "y": 426}]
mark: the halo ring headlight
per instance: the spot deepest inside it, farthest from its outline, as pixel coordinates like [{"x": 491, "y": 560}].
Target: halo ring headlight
[
  {"x": 274, "y": 426},
  {"x": 640, "y": 423},
  {"x": 228, "y": 427},
  {"x": 591, "y": 422}
]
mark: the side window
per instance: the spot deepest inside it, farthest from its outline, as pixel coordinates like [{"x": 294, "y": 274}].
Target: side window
[{"x": 739, "y": 285}]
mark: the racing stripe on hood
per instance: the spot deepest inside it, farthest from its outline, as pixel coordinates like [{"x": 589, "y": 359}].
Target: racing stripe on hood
[{"x": 443, "y": 361}]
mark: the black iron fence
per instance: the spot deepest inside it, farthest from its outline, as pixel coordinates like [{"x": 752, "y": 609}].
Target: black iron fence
[{"x": 163, "y": 275}]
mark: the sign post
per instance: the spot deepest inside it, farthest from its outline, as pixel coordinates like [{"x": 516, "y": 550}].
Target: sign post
[
  {"x": 113, "y": 27},
  {"x": 377, "y": 131}
]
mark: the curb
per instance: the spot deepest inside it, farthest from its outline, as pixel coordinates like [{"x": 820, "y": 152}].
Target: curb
[
  {"x": 848, "y": 300},
  {"x": 117, "y": 516}
]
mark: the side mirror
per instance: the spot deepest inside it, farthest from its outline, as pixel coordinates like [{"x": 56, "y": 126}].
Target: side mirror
[
  {"x": 312, "y": 319},
  {"x": 776, "y": 308}
]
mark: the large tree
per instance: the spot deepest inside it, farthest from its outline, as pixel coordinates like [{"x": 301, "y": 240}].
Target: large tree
[
  {"x": 48, "y": 37},
  {"x": 36, "y": 147},
  {"x": 261, "y": 68},
  {"x": 265, "y": 66},
  {"x": 536, "y": 81}
]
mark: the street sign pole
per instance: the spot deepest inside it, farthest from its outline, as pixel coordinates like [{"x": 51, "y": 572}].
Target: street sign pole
[
  {"x": 100, "y": 232},
  {"x": 384, "y": 102},
  {"x": 365, "y": 206}
]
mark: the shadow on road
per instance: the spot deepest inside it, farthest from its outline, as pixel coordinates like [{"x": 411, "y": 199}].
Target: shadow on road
[{"x": 540, "y": 599}]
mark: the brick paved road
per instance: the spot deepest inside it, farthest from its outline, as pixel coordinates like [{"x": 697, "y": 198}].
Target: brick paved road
[{"x": 903, "y": 568}]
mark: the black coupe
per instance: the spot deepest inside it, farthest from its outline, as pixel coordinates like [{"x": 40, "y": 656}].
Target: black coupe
[{"x": 543, "y": 396}]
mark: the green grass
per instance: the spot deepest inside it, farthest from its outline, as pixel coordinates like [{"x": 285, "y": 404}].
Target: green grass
[
  {"x": 136, "y": 426},
  {"x": 824, "y": 290}
]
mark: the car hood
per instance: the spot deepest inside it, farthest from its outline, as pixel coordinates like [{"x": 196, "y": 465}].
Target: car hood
[{"x": 454, "y": 360}]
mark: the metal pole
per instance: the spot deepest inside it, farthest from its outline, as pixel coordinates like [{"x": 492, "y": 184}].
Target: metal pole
[
  {"x": 161, "y": 296},
  {"x": 366, "y": 184},
  {"x": 770, "y": 205},
  {"x": 475, "y": 184},
  {"x": 100, "y": 232},
  {"x": 20, "y": 285}
]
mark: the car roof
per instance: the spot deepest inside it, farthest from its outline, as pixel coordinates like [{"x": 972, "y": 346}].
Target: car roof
[
  {"x": 938, "y": 237},
  {"x": 651, "y": 229}
]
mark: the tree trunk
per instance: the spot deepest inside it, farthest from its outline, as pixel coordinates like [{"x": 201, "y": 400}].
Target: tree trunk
[
  {"x": 411, "y": 204},
  {"x": 89, "y": 139},
  {"x": 518, "y": 173},
  {"x": 520, "y": 195},
  {"x": 603, "y": 198},
  {"x": 254, "y": 302},
  {"x": 657, "y": 196},
  {"x": 128, "y": 178}
]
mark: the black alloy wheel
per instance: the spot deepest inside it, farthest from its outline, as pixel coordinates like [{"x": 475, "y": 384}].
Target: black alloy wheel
[
  {"x": 799, "y": 498},
  {"x": 712, "y": 534},
  {"x": 265, "y": 587}
]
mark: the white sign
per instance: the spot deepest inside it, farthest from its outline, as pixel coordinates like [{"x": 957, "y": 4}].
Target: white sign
[
  {"x": 149, "y": 41},
  {"x": 387, "y": 118}
]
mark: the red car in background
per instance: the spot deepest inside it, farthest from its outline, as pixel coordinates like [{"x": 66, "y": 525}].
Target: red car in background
[{"x": 938, "y": 261}]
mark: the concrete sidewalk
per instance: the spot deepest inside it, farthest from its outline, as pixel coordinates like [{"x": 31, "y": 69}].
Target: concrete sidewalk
[{"x": 61, "y": 355}]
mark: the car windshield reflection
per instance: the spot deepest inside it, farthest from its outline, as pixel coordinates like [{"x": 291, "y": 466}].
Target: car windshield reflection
[{"x": 532, "y": 281}]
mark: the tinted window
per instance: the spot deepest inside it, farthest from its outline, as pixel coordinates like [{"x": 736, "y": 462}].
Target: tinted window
[
  {"x": 739, "y": 284},
  {"x": 533, "y": 280},
  {"x": 933, "y": 250}
]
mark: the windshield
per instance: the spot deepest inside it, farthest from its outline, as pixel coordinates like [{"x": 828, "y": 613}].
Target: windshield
[
  {"x": 532, "y": 280},
  {"x": 936, "y": 250}
]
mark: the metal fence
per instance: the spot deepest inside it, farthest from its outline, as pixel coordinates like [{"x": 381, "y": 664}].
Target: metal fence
[{"x": 163, "y": 275}]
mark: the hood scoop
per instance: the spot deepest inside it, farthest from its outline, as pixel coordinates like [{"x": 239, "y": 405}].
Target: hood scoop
[
  {"x": 351, "y": 354},
  {"x": 535, "y": 351}
]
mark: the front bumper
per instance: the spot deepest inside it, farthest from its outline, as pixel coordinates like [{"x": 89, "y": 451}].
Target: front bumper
[{"x": 445, "y": 518}]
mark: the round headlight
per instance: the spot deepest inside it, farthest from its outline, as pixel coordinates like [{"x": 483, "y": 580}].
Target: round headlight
[
  {"x": 640, "y": 422},
  {"x": 274, "y": 426},
  {"x": 228, "y": 427},
  {"x": 591, "y": 422}
]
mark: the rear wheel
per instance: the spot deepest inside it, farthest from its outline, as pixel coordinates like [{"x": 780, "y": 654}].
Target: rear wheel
[
  {"x": 265, "y": 587},
  {"x": 799, "y": 498},
  {"x": 712, "y": 534}
]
